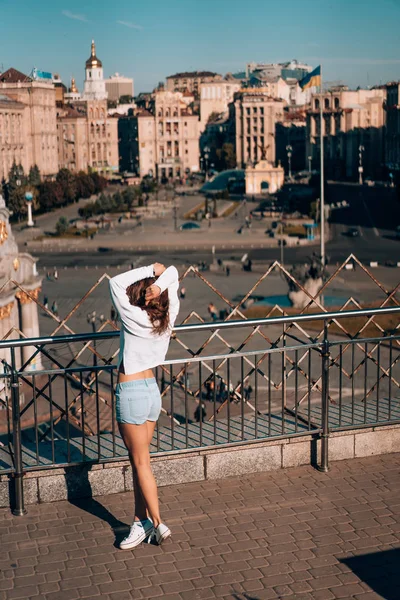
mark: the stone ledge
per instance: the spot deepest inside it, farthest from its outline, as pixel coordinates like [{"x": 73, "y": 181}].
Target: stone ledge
[{"x": 102, "y": 479}]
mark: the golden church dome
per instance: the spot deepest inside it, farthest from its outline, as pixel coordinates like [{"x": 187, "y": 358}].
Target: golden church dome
[{"x": 93, "y": 62}]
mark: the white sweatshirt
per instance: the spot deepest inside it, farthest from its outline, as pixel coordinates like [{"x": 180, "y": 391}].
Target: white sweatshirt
[{"x": 140, "y": 347}]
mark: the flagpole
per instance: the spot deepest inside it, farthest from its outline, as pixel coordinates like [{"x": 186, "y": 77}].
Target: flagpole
[{"x": 322, "y": 178}]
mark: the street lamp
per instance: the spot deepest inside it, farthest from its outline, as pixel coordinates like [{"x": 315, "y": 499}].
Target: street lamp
[
  {"x": 92, "y": 318},
  {"x": 309, "y": 163},
  {"x": 289, "y": 151},
  {"x": 29, "y": 198},
  {"x": 360, "y": 167}
]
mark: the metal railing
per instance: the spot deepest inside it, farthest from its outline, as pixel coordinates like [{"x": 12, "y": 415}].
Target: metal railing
[{"x": 64, "y": 415}]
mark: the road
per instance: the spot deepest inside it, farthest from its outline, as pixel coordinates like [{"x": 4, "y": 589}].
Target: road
[{"x": 375, "y": 212}]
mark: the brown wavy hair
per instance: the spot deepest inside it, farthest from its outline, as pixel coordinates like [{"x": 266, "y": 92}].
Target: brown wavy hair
[{"x": 157, "y": 309}]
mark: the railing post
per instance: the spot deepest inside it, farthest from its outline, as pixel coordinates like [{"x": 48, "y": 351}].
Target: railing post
[
  {"x": 326, "y": 355},
  {"x": 19, "y": 508}
]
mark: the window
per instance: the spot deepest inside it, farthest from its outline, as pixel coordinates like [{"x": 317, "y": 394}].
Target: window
[
  {"x": 316, "y": 104},
  {"x": 326, "y": 102},
  {"x": 336, "y": 102},
  {"x": 254, "y": 109},
  {"x": 248, "y": 110},
  {"x": 261, "y": 110},
  {"x": 176, "y": 149}
]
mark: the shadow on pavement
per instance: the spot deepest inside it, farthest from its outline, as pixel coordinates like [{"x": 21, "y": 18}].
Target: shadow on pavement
[
  {"x": 379, "y": 570},
  {"x": 87, "y": 503}
]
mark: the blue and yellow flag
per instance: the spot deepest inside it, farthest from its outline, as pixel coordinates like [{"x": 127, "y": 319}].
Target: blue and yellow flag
[{"x": 313, "y": 79}]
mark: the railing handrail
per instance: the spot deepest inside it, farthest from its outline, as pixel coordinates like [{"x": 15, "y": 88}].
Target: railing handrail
[{"x": 85, "y": 337}]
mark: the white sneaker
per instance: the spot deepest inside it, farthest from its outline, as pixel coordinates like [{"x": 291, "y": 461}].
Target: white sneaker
[
  {"x": 140, "y": 530},
  {"x": 160, "y": 533}
]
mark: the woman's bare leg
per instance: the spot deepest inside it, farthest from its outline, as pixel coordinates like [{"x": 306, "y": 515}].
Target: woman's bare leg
[
  {"x": 136, "y": 439},
  {"x": 141, "y": 512}
]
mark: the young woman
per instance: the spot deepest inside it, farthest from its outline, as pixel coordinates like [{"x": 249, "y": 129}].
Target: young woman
[{"x": 147, "y": 303}]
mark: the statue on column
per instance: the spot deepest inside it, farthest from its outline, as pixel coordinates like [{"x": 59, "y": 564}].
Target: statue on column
[{"x": 18, "y": 309}]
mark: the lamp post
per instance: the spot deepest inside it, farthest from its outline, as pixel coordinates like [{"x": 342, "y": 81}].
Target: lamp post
[
  {"x": 29, "y": 198},
  {"x": 360, "y": 166},
  {"x": 206, "y": 157},
  {"x": 92, "y": 318},
  {"x": 309, "y": 163},
  {"x": 289, "y": 151}
]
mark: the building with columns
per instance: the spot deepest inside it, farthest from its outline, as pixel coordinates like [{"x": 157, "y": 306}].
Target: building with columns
[
  {"x": 18, "y": 309},
  {"x": 392, "y": 157},
  {"x": 162, "y": 141},
  {"x": 353, "y": 126},
  {"x": 255, "y": 115},
  {"x": 35, "y": 124},
  {"x": 12, "y": 135}
]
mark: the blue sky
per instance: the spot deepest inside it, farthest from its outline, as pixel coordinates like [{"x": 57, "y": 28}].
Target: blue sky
[{"x": 356, "y": 41}]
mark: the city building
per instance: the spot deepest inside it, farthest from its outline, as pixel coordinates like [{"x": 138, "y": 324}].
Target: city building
[
  {"x": 60, "y": 89},
  {"x": 255, "y": 115},
  {"x": 215, "y": 97},
  {"x": 191, "y": 81},
  {"x": 353, "y": 127},
  {"x": 73, "y": 146},
  {"x": 39, "y": 124},
  {"x": 73, "y": 93},
  {"x": 393, "y": 126},
  {"x": 288, "y": 90},
  {"x": 94, "y": 87},
  {"x": 12, "y": 135},
  {"x": 290, "y": 139},
  {"x": 87, "y": 135},
  {"x": 117, "y": 86},
  {"x": 287, "y": 70},
  {"x": 163, "y": 141}
]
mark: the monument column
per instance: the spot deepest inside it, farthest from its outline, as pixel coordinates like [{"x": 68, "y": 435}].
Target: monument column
[{"x": 30, "y": 326}]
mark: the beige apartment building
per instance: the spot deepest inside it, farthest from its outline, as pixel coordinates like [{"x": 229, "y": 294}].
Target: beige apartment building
[
  {"x": 215, "y": 97},
  {"x": 255, "y": 115},
  {"x": 393, "y": 126},
  {"x": 117, "y": 86},
  {"x": 162, "y": 141},
  {"x": 12, "y": 135},
  {"x": 39, "y": 125},
  {"x": 88, "y": 137},
  {"x": 190, "y": 81},
  {"x": 353, "y": 124}
]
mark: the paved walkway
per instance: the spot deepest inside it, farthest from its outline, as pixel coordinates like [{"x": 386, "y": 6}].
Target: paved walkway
[{"x": 294, "y": 534}]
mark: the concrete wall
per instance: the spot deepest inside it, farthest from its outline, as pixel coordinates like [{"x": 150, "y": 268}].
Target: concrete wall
[{"x": 103, "y": 479}]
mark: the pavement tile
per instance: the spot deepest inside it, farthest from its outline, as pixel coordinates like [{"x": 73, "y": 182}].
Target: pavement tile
[{"x": 273, "y": 535}]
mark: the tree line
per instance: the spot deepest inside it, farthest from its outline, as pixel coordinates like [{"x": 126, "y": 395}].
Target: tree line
[{"x": 66, "y": 188}]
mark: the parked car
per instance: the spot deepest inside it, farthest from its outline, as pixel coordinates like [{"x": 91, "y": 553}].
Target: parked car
[
  {"x": 353, "y": 232},
  {"x": 189, "y": 225}
]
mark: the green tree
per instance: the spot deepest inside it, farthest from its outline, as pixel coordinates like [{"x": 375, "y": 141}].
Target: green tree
[
  {"x": 226, "y": 157},
  {"x": 61, "y": 226},
  {"x": 214, "y": 116},
  {"x": 51, "y": 195},
  {"x": 34, "y": 176},
  {"x": 99, "y": 182},
  {"x": 16, "y": 188},
  {"x": 84, "y": 185},
  {"x": 67, "y": 181},
  {"x": 125, "y": 99}
]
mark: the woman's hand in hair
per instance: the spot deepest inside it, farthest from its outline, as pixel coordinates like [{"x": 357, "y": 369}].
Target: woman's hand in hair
[
  {"x": 158, "y": 269},
  {"x": 152, "y": 292}
]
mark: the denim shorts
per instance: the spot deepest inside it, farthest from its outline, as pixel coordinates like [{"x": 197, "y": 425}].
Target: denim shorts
[{"x": 137, "y": 401}]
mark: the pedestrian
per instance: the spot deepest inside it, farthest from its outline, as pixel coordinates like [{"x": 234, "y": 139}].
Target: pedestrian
[
  {"x": 247, "y": 392},
  {"x": 208, "y": 389},
  {"x": 221, "y": 390},
  {"x": 113, "y": 314},
  {"x": 200, "y": 413},
  {"x": 182, "y": 293},
  {"x": 55, "y": 274},
  {"x": 46, "y": 302},
  {"x": 48, "y": 276},
  {"x": 212, "y": 312},
  {"x": 54, "y": 308},
  {"x": 227, "y": 270},
  {"x": 146, "y": 300}
]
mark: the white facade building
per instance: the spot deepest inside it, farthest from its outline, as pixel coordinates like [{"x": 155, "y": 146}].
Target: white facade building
[
  {"x": 215, "y": 96},
  {"x": 118, "y": 86},
  {"x": 94, "y": 86}
]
